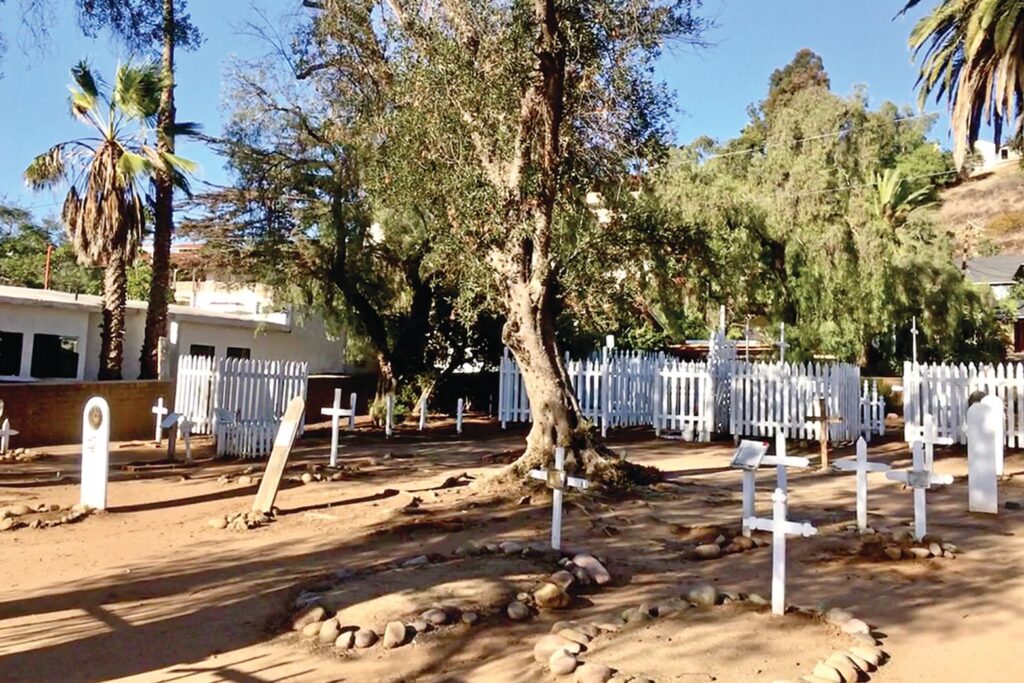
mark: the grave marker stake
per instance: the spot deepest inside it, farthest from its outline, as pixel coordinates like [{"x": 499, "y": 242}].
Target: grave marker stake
[
  {"x": 557, "y": 481},
  {"x": 919, "y": 478},
  {"x": 862, "y": 466},
  {"x": 459, "y": 407},
  {"x": 267, "y": 492},
  {"x": 780, "y": 526},
  {"x": 159, "y": 411}
]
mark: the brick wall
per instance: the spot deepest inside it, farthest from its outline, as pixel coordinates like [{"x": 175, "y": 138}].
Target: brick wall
[{"x": 47, "y": 413}]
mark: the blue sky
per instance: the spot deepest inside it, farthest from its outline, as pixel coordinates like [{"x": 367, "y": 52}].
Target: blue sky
[{"x": 859, "y": 42}]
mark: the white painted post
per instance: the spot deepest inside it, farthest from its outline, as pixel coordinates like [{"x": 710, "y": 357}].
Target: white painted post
[
  {"x": 749, "y": 491},
  {"x": 389, "y": 407},
  {"x": 423, "y": 412},
  {"x": 95, "y": 453},
  {"x": 159, "y": 411},
  {"x": 984, "y": 429},
  {"x": 557, "y": 481},
  {"x": 352, "y": 411},
  {"x": 185, "y": 426},
  {"x": 458, "y": 416}
]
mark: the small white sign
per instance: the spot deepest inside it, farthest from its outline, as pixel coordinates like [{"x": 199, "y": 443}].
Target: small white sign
[{"x": 95, "y": 452}]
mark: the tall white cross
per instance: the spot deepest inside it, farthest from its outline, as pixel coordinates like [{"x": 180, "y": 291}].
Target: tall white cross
[
  {"x": 750, "y": 456},
  {"x": 5, "y": 435},
  {"x": 459, "y": 407},
  {"x": 159, "y": 411},
  {"x": 782, "y": 343},
  {"x": 920, "y": 478},
  {"x": 779, "y": 526},
  {"x": 913, "y": 332},
  {"x": 336, "y": 412},
  {"x": 557, "y": 481},
  {"x": 862, "y": 466}
]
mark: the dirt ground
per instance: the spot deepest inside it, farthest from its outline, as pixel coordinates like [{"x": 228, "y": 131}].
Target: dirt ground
[{"x": 150, "y": 592}]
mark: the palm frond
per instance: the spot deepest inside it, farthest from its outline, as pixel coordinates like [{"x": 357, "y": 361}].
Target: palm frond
[
  {"x": 133, "y": 167},
  {"x": 47, "y": 169},
  {"x": 84, "y": 79},
  {"x": 186, "y": 129},
  {"x": 137, "y": 90}
]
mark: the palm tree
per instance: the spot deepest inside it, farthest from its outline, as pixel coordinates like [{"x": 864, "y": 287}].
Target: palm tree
[
  {"x": 974, "y": 59},
  {"x": 895, "y": 197},
  {"x": 104, "y": 211}
]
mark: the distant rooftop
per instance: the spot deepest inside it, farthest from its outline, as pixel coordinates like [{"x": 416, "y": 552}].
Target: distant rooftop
[{"x": 994, "y": 270}]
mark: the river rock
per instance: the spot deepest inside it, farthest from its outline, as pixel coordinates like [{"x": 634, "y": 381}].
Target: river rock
[
  {"x": 871, "y": 655},
  {"x": 307, "y": 615},
  {"x": 703, "y": 595},
  {"x": 838, "y": 616},
  {"x": 593, "y": 673},
  {"x": 329, "y": 631},
  {"x": 707, "y": 551},
  {"x": 365, "y": 638},
  {"x": 395, "y": 634},
  {"x": 511, "y": 548},
  {"x": 593, "y": 568},
  {"x": 469, "y": 618},
  {"x": 893, "y": 552},
  {"x": 220, "y": 522},
  {"x": 636, "y": 615},
  {"x": 517, "y": 611},
  {"x": 549, "y": 644},
  {"x": 844, "y": 665},
  {"x": 550, "y": 596},
  {"x": 19, "y": 509},
  {"x": 574, "y": 635},
  {"x": 311, "y": 630},
  {"x": 855, "y": 626},
  {"x": 562, "y": 579},
  {"x": 828, "y": 673},
  {"x": 562, "y": 662},
  {"x": 345, "y": 641},
  {"x": 435, "y": 616}
]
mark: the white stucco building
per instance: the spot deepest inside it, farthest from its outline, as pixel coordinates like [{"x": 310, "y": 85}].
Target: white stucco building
[
  {"x": 46, "y": 334},
  {"x": 993, "y": 157}
]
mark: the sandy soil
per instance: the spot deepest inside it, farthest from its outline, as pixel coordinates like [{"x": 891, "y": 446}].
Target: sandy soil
[{"x": 149, "y": 592}]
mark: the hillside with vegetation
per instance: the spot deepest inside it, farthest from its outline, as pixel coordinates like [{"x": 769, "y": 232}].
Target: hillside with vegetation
[{"x": 986, "y": 214}]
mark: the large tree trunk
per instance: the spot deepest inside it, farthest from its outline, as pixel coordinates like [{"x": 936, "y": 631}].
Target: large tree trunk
[
  {"x": 163, "y": 224},
  {"x": 115, "y": 296}
]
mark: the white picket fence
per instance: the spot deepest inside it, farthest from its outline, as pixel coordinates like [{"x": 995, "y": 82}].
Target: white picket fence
[
  {"x": 254, "y": 393},
  {"x": 696, "y": 399},
  {"x": 943, "y": 390},
  {"x": 766, "y": 397}
]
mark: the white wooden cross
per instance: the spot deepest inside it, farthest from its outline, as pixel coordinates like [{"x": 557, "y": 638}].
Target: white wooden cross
[
  {"x": 159, "y": 411},
  {"x": 862, "y": 466},
  {"x": 929, "y": 436},
  {"x": 423, "y": 412},
  {"x": 557, "y": 481},
  {"x": 389, "y": 415},
  {"x": 913, "y": 331},
  {"x": 920, "y": 478},
  {"x": 755, "y": 456},
  {"x": 782, "y": 343},
  {"x": 336, "y": 412},
  {"x": 779, "y": 526},
  {"x": 5, "y": 435},
  {"x": 459, "y": 407}
]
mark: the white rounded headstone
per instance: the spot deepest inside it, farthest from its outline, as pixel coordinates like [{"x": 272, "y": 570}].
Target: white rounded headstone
[{"x": 95, "y": 452}]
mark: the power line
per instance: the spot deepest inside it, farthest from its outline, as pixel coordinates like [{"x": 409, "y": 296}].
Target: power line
[
  {"x": 822, "y": 136},
  {"x": 836, "y": 190}
]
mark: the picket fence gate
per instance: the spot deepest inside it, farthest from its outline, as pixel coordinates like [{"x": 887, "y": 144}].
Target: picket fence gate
[
  {"x": 943, "y": 391},
  {"x": 249, "y": 396},
  {"x": 696, "y": 399}
]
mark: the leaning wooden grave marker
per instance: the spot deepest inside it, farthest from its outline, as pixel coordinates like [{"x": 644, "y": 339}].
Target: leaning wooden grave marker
[
  {"x": 271, "y": 481},
  {"x": 824, "y": 420},
  {"x": 919, "y": 478},
  {"x": 557, "y": 480},
  {"x": 779, "y": 526},
  {"x": 862, "y": 466},
  {"x": 984, "y": 439},
  {"x": 95, "y": 453}
]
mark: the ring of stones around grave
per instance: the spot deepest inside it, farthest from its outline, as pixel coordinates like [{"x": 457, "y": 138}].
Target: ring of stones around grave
[
  {"x": 22, "y": 455},
  {"x": 564, "y": 648},
  {"x": 314, "y": 622},
  {"x": 900, "y": 544},
  {"x": 729, "y": 544},
  {"x": 16, "y": 516}
]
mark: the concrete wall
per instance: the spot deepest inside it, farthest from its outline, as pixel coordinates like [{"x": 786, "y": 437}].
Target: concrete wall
[
  {"x": 46, "y": 413},
  {"x": 29, "y": 320}
]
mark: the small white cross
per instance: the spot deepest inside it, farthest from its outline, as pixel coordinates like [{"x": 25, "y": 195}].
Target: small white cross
[
  {"x": 782, "y": 343},
  {"x": 862, "y": 466},
  {"x": 5, "y": 435},
  {"x": 557, "y": 481},
  {"x": 159, "y": 410},
  {"x": 913, "y": 331},
  {"x": 920, "y": 478},
  {"x": 336, "y": 412},
  {"x": 929, "y": 436},
  {"x": 779, "y": 526}
]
